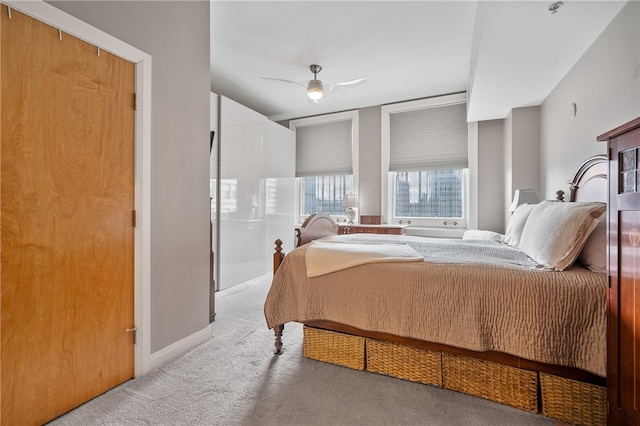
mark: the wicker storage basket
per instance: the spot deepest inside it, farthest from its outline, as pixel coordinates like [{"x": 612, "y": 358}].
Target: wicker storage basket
[
  {"x": 336, "y": 348},
  {"x": 572, "y": 401},
  {"x": 404, "y": 362},
  {"x": 495, "y": 382}
]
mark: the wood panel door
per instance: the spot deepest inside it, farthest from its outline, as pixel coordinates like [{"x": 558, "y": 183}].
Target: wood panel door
[
  {"x": 67, "y": 237},
  {"x": 623, "y": 372}
]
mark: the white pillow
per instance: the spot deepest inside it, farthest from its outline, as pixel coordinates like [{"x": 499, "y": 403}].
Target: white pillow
[
  {"x": 594, "y": 253},
  {"x": 516, "y": 224},
  {"x": 555, "y": 232},
  {"x": 479, "y": 234}
]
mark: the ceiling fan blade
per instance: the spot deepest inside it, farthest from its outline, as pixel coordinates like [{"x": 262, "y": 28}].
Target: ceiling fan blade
[
  {"x": 334, "y": 87},
  {"x": 353, "y": 82},
  {"x": 286, "y": 81}
]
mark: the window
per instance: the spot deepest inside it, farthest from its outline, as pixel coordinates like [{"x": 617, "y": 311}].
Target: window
[
  {"x": 429, "y": 194},
  {"x": 425, "y": 162},
  {"x": 324, "y": 194},
  {"x": 326, "y": 162}
]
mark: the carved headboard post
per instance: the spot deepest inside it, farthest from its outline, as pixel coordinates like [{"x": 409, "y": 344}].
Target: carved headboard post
[
  {"x": 298, "y": 237},
  {"x": 278, "y": 256}
]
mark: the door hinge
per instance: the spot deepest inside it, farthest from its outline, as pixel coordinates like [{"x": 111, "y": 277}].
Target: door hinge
[
  {"x": 135, "y": 101},
  {"x": 133, "y": 330},
  {"x": 134, "y": 218}
]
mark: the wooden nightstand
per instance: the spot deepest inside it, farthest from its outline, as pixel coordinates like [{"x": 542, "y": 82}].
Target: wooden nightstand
[{"x": 372, "y": 229}]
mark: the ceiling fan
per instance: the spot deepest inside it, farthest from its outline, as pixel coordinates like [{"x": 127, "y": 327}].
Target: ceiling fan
[{"x": 314, "y": 87}]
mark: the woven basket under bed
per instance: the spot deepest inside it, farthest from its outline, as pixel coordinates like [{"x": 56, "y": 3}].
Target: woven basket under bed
[
  {"x": 404, "y": 362},
  {"x": 333, "y": 347},
  {"x": 572, "y": 401},
  {"x": 500, "y": 383}
]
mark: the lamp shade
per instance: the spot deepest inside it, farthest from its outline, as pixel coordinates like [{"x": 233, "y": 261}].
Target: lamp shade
[
  {"x": 523, "y": 196},
  {"x": 350, "y": 200}
]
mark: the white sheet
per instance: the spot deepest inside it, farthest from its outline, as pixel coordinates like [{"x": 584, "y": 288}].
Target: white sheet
[{"x": 323, "y": 257}]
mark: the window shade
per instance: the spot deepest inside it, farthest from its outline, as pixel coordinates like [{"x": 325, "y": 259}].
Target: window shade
[
  {"x": 324, "y": 149},
  {"x": 429, "y": 138}
]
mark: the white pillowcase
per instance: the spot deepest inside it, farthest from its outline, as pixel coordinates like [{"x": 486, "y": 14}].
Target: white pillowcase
[
  {"x": 594, "y": 253},
  {"x": 555, "y": 232},
  {"x": 480, "y": 234},
  {"x": 516, "y": 224}
]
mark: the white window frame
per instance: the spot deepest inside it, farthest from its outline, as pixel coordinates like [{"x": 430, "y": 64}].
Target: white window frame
[
  {"x": 430, "y": 227},
  {"x": 355, "y": 131}
]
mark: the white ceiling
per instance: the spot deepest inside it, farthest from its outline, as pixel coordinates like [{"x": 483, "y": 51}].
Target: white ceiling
[{"x": 506, "y": 54}]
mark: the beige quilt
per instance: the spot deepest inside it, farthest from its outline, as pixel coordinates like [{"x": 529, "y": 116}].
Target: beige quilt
[{"x": 477, "y": 295}]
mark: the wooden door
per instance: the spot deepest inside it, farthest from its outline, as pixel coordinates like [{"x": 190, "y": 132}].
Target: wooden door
[
  {"x": 623, "y": 375},
  {"x": 67, "y": 237}
]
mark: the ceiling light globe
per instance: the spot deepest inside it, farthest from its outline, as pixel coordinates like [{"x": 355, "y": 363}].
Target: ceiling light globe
[
  {"x": 314, "y": 94},
  {"x": 314, "y": 90}
]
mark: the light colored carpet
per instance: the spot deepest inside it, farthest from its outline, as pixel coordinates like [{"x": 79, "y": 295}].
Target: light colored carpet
[{"x": 234, "y": 379}]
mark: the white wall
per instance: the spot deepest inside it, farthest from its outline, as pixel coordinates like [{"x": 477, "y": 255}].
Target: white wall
[
  {"x": 491, "y": 193},
  {"x": 176, "y": 35},
  {"x": 604, "y": 85},
  {"x": 369, "y": 170},
  {"x": 525, "y": 138},
  {"x": 521, "y": 153}
]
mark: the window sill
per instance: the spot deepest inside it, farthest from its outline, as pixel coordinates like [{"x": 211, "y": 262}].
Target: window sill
[{"x": 436, "y": 232}]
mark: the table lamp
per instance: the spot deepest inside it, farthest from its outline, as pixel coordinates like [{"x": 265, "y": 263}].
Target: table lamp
[{"x": 350, "y": 203}]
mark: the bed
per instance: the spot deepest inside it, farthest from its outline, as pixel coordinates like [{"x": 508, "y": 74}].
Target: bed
[{"x": 522, "y": 323}]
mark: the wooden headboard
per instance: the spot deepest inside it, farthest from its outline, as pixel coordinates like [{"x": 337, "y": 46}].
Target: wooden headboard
[
  {"x": 590, "y": 181},
  {"x": 316, "y": 226}
]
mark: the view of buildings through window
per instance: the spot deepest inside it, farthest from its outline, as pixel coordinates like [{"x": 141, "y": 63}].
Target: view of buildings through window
[
  {"x": 429, "y": 194},
  {"x": 325, "y": 194},
  {"x": 424, "y": 194}
]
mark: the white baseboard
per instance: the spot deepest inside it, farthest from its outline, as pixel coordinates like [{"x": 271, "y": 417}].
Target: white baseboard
[{"x": 178, "y": 348}]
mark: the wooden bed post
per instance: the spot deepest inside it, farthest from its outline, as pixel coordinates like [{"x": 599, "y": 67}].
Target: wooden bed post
[
  {"x": 278, "y": 256},
  {"x": 278, "y": 332}
]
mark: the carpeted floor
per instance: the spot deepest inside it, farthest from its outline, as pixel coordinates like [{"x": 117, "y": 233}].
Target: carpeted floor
[{"x": 234, "y": 379}]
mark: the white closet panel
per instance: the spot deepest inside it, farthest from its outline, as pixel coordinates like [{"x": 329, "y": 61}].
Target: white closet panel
[{"x": 256, "y": 192}]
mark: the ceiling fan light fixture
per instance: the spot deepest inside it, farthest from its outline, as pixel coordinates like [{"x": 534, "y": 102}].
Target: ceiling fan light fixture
[{"x": 315, "y": 90}]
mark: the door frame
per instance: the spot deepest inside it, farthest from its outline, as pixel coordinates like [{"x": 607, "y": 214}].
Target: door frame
[{"x": 71, "y": 25}]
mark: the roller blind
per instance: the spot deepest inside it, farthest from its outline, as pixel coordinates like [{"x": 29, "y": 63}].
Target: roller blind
[
  {"x": 324, "y": 149},
  {"x": 429, "y": 138}
]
